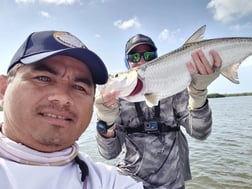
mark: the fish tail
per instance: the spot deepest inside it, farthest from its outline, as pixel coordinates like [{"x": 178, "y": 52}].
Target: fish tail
[{"x": 231, "y": 72}]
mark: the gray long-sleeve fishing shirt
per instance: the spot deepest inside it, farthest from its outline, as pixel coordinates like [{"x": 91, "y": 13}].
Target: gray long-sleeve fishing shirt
[{"x": 160, "y": 161}]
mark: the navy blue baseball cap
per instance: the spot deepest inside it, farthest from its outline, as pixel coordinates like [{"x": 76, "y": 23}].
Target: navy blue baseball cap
[{"x": 42, "y": 45}]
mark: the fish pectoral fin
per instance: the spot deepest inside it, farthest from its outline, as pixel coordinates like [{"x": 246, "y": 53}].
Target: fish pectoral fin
[
  {"x": 231, "y": 72},
  {"x": 151, "y": 99}
]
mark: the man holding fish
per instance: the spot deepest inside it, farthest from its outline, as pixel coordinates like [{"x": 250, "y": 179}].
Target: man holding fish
[{"x": 149, "y": 139}]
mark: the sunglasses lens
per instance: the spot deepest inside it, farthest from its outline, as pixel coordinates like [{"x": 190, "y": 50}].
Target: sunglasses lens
[
  {"x": 134, "y": 57},
  {"x": 149, "y": 56}
]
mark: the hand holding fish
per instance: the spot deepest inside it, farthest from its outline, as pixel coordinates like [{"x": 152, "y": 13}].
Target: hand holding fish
[
  {"x": 107, "y": 107},
  {"x": 110, "y": 99},
  {"x": 203, "y": 73},
  {"x": 202, "y": 65}
]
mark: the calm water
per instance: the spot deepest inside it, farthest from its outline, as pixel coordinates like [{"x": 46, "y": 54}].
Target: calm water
[{"x": 224, "y": 160}]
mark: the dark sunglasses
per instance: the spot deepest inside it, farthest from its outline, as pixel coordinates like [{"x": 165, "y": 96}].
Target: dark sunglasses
[{"x": 136, "y": 57}]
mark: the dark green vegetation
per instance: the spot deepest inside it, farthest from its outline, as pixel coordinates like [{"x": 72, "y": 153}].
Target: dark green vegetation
[
  {"x": 213, "y": 95},
  {"x": 217, "y": 95}
]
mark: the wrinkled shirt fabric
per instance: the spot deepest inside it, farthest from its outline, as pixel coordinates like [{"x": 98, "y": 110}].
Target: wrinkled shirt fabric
[
  {"x": 56, "y": 170},
  {"x": 160, "y": 161}
]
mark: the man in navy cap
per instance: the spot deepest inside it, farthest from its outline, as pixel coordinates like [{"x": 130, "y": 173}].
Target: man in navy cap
[{"x": 47, "y": 99}]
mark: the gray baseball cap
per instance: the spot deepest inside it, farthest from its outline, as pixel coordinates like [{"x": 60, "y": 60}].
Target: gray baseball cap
[{"x": 139, "y": 39}]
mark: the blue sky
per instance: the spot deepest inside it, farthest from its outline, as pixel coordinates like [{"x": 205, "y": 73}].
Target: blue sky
[{"x": 105, "y": 26}]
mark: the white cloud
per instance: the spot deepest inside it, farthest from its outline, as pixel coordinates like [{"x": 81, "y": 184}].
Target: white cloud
[
  {"x": 166, "y": 34},
  {"x": 45, "y": 14},
  {"x": 229, "y": 10},
  {"x": 97, "y": 36},
  {"x": 57, "y": 2},
  {"x": 240, "y": 27},
  {"x": 104, "y": 1},
  {"x": 25, "y": 1},
  {"x": 124, "y": 25}
]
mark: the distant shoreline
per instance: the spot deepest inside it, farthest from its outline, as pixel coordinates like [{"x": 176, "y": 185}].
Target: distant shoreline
[
  {"x": 219, "y": 95},
  {"x": 214, "y": 95}
]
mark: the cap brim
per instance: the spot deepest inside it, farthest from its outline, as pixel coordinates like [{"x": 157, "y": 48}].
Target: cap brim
[
  {"x": 94, "y": 63},
  {"x": 141, "y": 43}
]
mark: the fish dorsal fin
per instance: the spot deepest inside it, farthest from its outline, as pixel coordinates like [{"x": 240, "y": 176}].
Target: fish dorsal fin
[
  {"x": 151, "y": 99},
  {"x": 197, "y": 36},
  {"x": 231, "y": 72}
]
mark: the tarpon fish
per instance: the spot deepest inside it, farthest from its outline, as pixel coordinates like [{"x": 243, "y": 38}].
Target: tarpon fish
[{"x": 168, "y": 74}]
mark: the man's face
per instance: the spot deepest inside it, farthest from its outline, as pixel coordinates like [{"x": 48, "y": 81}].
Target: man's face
[{"x": 48, "y": 105}]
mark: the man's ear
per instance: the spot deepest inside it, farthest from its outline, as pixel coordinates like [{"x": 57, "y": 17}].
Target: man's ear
[{"x": 3, "y": 86}]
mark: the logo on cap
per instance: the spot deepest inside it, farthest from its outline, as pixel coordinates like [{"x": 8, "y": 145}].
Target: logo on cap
[{"x": 68, "y": 40}]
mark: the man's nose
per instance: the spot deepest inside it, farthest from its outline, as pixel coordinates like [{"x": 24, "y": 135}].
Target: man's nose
[
  {"x": 142, "y": 61},
  {"x": 61, "y": 96}
]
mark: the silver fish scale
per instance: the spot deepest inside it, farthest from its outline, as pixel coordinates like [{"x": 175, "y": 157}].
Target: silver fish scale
[{"x": 168, "y": 74}]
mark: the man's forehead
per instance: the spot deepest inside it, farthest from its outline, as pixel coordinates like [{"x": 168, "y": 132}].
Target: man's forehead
[
  {"x": 142, "y": 47},
  {"x": 57, "y": 62}
]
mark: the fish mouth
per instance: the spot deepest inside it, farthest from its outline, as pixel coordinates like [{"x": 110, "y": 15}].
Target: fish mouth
[{"x": 137, "y": 88}]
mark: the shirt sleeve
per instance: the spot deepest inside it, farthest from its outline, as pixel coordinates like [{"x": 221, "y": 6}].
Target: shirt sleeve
[
  {"x": 110, "y": 148},
  {"x": 197, "y": 122}
]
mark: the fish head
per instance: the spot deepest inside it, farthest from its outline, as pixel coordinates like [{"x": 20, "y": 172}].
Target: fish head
[{"x": 125, "y": 83}]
